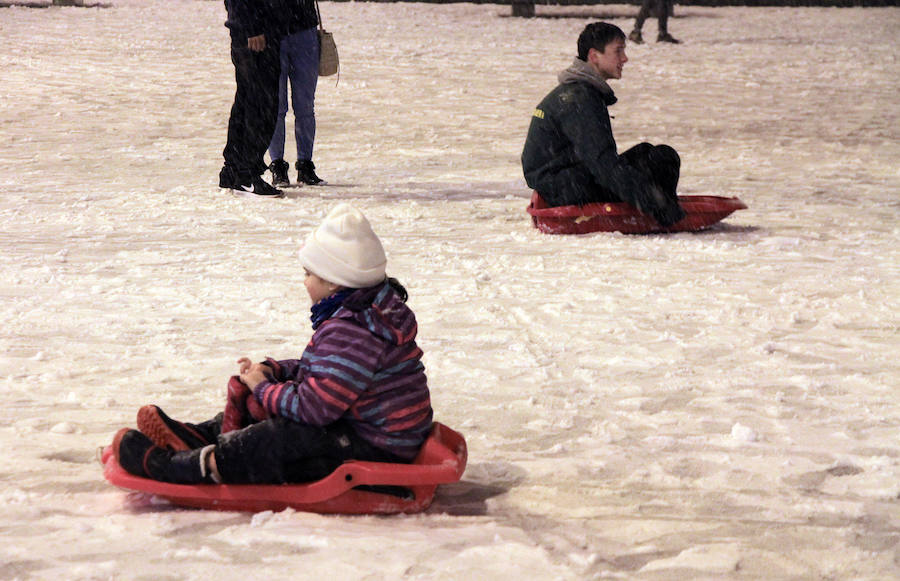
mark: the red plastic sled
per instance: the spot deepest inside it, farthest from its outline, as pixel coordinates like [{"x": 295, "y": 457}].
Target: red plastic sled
[
  {"x": 702, "y": 211},
  {"x": 387, "y": 488}
]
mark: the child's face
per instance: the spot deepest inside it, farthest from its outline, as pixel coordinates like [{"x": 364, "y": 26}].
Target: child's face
[
  {"x": 318, "y": 288},
  {"x": 609, "y": 63}
]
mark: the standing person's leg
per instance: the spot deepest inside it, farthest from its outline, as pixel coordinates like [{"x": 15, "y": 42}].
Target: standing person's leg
[
  {"x": 304, "y": 79},
  {"x": 636, "y": 36},
  {"x": 663, "y": 7},
  {"x": 236, "y": 171},
  {"x": 263, "y": 107},
  {"x": 252, "y": 119},
  {"x": 278, "y": 166}
]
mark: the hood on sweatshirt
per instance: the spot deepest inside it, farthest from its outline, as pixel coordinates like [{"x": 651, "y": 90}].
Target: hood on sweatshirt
[
  {"x": 580, "y": 71},
  {"x": 380, "y": 310}
]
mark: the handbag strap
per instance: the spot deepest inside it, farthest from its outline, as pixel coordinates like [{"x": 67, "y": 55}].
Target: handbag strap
[
  {"x": 322, "y": 30},
  {"x": 319, "y": 15}
]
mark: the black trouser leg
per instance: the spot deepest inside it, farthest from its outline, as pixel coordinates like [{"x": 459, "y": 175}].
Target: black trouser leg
[
  {"x": 255, "y": 109},
  {"x": 663, "y": 15},
  {"x": 660, "y": 163},
  {"x": 643, "y": 13}
]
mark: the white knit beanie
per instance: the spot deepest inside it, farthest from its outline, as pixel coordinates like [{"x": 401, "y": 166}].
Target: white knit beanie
[{"x": 344, "y": 250}]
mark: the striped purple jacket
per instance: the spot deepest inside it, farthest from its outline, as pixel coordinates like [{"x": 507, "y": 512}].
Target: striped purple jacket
[{"x": 361, "y": 365}]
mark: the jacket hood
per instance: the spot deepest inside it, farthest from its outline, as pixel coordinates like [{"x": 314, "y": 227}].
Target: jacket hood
[
  {"x": 380, "y": 310},
  {"x": 581, "y": 72}
]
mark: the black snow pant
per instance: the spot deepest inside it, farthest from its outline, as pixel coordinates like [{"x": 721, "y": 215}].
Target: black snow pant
[
  {"x": 254, "y": 112},
  {"x": 279, "y": 450}
]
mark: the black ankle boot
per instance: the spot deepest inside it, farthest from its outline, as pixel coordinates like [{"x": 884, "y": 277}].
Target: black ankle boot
[
  {"x": 279, "y": 169},
  {"x": 306, "y": 173}
]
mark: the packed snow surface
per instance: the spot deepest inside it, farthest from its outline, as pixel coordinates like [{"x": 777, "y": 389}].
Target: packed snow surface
[{"x": 717, "y": 405}]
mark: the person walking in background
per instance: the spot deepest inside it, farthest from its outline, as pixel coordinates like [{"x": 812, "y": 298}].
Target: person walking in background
[
  {"x": 256, "y": 32},
  {"x": 300, "y": 65},
  {"x": 662, "y": 9}
]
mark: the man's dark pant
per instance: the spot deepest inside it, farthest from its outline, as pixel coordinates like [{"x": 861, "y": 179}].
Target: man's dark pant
[
  {"x": 660, "y": 163},
  {"x": 254, "y": 111}
]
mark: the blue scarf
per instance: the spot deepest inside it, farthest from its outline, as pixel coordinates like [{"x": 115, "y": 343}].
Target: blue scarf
[{"x": 322, "y": 310}]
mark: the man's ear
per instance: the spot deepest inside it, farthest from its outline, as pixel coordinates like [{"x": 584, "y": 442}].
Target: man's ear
[{"x": 593, "y": 58}]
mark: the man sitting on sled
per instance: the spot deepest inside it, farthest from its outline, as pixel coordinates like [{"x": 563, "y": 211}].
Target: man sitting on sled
[{"x": 570, "y": 155}]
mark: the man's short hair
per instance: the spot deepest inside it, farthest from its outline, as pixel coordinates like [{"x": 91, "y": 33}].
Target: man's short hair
[{"x": 597, "y": 35}]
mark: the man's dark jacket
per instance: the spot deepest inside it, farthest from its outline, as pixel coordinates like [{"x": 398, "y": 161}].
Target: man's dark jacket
[{"x": 570, "y": 155}]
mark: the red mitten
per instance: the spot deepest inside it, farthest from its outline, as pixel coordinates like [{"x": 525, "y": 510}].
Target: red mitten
[
  {"x": 257, "y": 411},
  {"x": 236, "y": 413},
  {"x": 241, "y": 407}
]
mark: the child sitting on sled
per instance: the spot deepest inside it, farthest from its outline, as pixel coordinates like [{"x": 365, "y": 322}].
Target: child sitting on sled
[{"x": 358, "y": 391}]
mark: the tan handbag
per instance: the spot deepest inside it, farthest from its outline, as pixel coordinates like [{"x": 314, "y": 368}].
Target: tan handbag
[{"x": 329, "y": 63}]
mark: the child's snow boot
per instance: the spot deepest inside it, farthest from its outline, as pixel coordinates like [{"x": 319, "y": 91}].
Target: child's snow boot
[
  {"x": 306, "y": 173},
  {"x": 136, "y": 453},
  {"x": 172, "y": 434},
  {"x": 279, "y": 169}
]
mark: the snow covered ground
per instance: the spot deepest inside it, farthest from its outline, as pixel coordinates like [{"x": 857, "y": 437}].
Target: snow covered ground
[{"x": 721, "y": 405}]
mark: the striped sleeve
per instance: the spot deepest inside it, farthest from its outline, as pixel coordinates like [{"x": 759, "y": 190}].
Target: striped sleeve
[{"x": 336, "y": 370}]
